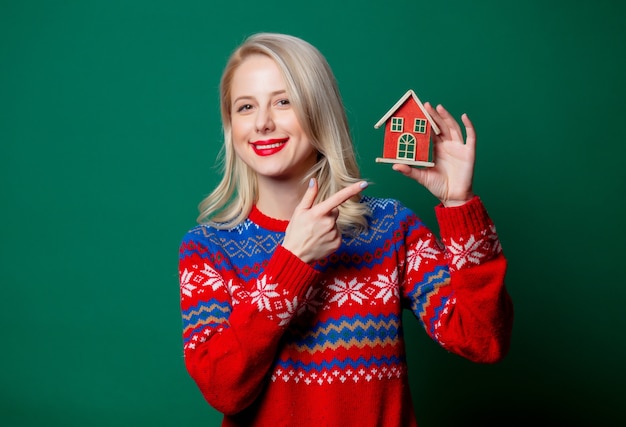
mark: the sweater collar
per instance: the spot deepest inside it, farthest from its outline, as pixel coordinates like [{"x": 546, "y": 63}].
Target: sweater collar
[{"x": 264, "y": 221}]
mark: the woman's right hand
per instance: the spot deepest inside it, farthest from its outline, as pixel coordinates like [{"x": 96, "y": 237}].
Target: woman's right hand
[{"x": 312, "y": 233}]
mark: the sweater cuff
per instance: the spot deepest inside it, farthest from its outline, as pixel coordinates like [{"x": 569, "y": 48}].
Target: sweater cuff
[
  {"x": 469, "y": 218},
  {"x": 293, "y": 274}
]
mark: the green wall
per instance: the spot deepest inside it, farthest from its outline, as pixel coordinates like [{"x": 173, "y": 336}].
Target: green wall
[{"x": 109, "y": 128}]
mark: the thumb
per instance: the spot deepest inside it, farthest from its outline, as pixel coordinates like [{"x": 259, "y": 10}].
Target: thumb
[
  {"x": 309, "y": 195},
  {"x": 418, "y": 175}
]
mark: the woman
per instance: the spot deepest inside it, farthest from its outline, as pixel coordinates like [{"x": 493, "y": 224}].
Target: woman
[{"x": 293, "y": 285}]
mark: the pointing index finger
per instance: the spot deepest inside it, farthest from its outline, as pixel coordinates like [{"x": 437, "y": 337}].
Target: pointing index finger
[{"x": 341, "y": 196}]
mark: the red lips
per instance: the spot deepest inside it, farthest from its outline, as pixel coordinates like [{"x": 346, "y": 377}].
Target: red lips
[{"x": 269, "y": 146}]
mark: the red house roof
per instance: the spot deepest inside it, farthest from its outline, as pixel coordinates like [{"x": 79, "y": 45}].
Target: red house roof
[{"x": 400, "y": 103}]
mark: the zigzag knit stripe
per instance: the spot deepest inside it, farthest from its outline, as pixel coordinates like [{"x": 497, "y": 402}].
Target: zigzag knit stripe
[
  {"x": 357, "y": 331},
  {"x": 437, "y": 309},
  {"x": 210, "y": 313},
  {"x": 346, "y": 344},
  {"x": 429, "y": 286},
  {"x": 341, "y": 364},
  {"x": 211, "y": 306}
]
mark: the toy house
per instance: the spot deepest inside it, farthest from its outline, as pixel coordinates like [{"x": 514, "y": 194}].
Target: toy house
[{"x": 408, "y": 129}]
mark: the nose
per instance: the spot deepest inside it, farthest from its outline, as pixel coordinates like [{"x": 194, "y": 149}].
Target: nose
[{"x": 264, "y": 122}]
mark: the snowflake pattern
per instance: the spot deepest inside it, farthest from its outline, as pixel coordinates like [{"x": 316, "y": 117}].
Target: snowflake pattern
[
  {"x": 388, "y": 286},
  {"x": 311, "y": 302},
  {"x": 423, "y": 249},
  {"x": 236, "y": 292},
  {"x": 263, "y": 293},
  {"x": 286, "y": 316},
  {"x": 186, "y": 287},
  {"x": 463, "y": 252},
  {"x": 493, "y": 237},
  {"x": 345, "y": 291},
  {"x": 213, "y": 279},
  {"x": 267, "y": 299}
]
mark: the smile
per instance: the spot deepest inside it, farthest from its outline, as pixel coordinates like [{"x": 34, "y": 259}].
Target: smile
[{"x": 269, "y": 147}]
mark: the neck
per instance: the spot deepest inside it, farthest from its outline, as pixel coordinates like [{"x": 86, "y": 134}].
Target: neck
[{"x": 278, "y": 198}]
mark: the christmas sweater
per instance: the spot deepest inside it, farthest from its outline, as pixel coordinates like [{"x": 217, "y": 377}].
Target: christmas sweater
[{"x": 273, "y": 341}]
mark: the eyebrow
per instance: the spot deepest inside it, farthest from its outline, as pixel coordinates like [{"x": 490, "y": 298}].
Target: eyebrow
[{"x": 272, "y": 94}]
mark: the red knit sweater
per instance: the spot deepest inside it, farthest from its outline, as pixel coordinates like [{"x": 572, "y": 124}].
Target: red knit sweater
[{"x": 273, "y": 341}]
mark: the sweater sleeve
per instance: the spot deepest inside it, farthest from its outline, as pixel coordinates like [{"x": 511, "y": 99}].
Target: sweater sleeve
[
  {"x": 231, "y": 329},
  {"x": 457, "y": 286}
]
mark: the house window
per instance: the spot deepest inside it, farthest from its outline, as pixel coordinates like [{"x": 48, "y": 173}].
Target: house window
[
  {"x": 420, "y": 126},
  {"x": 406, "y": 147},
  {"x": 397, "y": 124}
]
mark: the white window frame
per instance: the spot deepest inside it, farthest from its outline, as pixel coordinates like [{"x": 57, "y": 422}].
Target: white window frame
[{"x": 397, "y": 124}]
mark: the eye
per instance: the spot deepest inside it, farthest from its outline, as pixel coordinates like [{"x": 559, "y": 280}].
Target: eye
[
  {"x": 244, "y": 107},
  {"x": 283, "y": 102}
]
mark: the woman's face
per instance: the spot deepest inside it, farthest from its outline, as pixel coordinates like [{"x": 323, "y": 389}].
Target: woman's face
[{"x": 266, "y": 133}]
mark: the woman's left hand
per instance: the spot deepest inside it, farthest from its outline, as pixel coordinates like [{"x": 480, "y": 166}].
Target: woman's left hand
[{"x": 450, "y": 180}]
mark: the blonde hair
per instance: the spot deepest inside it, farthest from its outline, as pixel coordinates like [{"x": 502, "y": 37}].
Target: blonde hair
[{"x": 314, "y": 94}]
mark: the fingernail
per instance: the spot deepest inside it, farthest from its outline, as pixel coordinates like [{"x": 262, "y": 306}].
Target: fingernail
[
  {"x": 311, "y": 182},
  {"x": 364, "y": 184}
]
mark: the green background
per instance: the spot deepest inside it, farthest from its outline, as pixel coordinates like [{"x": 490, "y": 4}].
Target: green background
[{"x": 109, "y": 130}]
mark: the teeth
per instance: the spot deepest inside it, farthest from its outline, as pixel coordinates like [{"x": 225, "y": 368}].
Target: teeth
[{"x": 267, "y": 147}]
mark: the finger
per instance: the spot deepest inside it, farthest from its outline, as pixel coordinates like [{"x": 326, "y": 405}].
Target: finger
[
  {"x": 470, "y": 131},
  {"x": 444, "y": 131},
  {"x": 309, "y": 195},
  {"x": 434, "y": 114},
  {"x": 418, "y": 175},
  {"x": 445, "y": 121},
  {"x": 432, "y": 111},
  {"x": 403, "y": 169},
  {"x": 450, "y": 123},
  {"x": 341, "y": 196}
]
